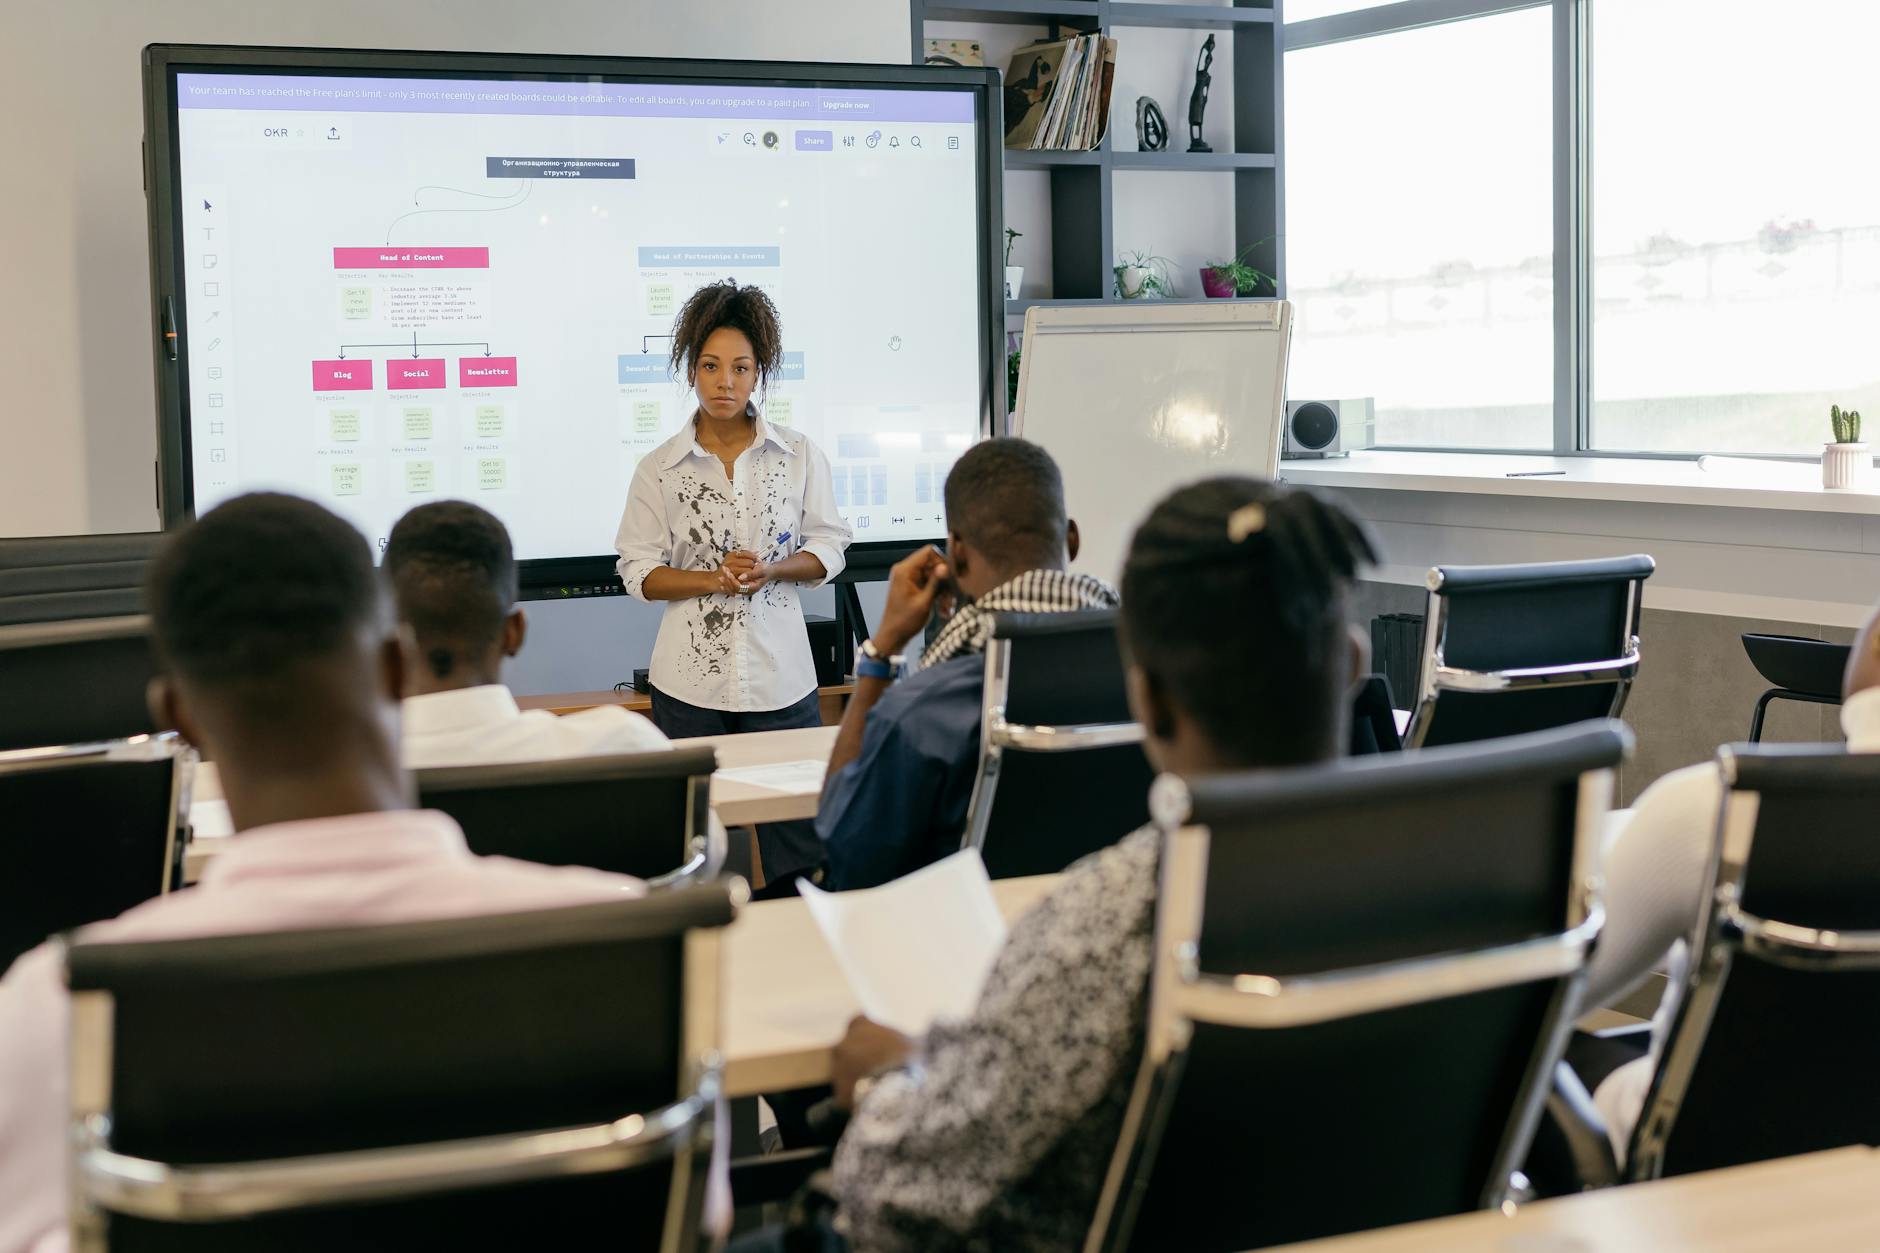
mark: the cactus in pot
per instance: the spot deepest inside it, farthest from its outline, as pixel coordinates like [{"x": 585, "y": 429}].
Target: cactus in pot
[
  {"x": 1847, "y": 462},
  {"x": 1846, "y": 424}
]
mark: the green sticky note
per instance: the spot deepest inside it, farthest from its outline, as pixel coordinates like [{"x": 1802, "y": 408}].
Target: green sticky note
[
  {"x": 645, "y": 416},
  {"x": 489, "y": 421},
  {"x": 418, "y": 422},
  {"x": 779, "y": 410},
  {"x": 420, "y": 476},
  {"x": 355, "y": 303},
  {"x": 659, "y": 300},
  {"x": 348, "y": 480},
  {"x": 492, "y": 474},
  {"x": 345, "y": 424}
]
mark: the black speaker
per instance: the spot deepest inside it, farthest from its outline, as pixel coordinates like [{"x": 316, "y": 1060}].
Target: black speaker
[
  {"x": 1326, "y": 428},
  {"x": 825, "y": 645}
]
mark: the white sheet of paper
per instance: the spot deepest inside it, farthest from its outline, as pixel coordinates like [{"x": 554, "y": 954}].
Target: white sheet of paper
[
  {"x": 918, "y": 949},
  {"x": 209, "y": 820},
  {"x": 781, "y": 776}
]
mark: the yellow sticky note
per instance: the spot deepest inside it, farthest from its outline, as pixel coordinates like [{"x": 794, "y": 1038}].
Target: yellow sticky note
[
  {"x": 418, "y": 422},
  {"x": 645, "y": 416},
  {"x": 345, "y": 424},
  {"x": 348, "y": 480},
  {"x": 355, "y": 303},
  {"x": 492, "y": 474},
  {"x": 780, "y": 410},
  {"x": 659, "y": 300},
  {"x": 420, "y": 476},
  {"x": 489, "y": 421}
]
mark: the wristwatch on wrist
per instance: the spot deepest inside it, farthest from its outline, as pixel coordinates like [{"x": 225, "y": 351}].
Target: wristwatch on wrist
[{"x": 870, "y": 664}]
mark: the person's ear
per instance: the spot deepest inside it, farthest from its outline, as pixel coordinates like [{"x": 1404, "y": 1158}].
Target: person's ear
[
  {"x": 959, "y": 557},
  {"x": 515, "y": 630},
  {"x": 398, "y": 660},
  {"x": 169, "y": 711},
  {"x": 1358, "y": 642},
  {"x": 1072, "y": 540}
]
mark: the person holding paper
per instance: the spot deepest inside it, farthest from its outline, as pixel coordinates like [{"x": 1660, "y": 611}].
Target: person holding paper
[
  {"x": 901, "y": 773},
  {"x": 723, "y": 522},
  {"x": 994, "y": 1132}
]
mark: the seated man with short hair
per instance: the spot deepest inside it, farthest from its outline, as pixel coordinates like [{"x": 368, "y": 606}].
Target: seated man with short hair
[
  {"x": 453, "y": 575},
  {"x": 279, "y": 660},
  {"x": 1657, "y": 873},
  {"x": 901, "y": 773}
]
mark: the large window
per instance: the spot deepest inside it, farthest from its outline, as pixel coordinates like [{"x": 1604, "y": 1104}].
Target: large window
[
  {"x": 1421, "y": 273},
  {"x": 1724, "y": 267}
]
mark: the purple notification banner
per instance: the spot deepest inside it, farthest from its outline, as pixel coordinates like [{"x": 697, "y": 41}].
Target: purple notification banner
[{"x": 306, "y": 93}]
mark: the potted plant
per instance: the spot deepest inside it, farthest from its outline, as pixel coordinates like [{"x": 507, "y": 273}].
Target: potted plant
[
  {"x": 1143, "y": 276},
  {"x": 1011, "y": 374},
  {"x": 1846, "y": 462},
  {"x": 1014, "y": 274},
  {"x": 1223, "y": 280}
]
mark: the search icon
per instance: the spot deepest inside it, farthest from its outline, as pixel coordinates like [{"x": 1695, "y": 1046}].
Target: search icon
[
  {"x": 914, "y": 140},
  {"x": 750, "y": 138}
]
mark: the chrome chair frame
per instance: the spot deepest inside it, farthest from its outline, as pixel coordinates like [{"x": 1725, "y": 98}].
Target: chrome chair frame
[
  {"x": 1435, "y": 675},
  {"x": 168, "y": 744},
  {"x": 703, "y": 844},
  {"x": 1181, "y": 995},
  {"x": 105, "y": 1181},
  {"x": 1723, "y": 930},
  {"x": 996, "y": 735}
]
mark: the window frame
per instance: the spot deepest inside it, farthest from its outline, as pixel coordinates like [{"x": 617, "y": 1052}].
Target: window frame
[{"x": 1572, "y": 129}]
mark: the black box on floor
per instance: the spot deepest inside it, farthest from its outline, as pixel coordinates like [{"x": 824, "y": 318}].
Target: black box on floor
[
  {"x": 825, "y": 645},
  {"x": 1397, "y": 653}
]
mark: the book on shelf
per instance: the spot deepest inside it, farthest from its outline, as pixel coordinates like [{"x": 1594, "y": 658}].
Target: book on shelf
[{"x": 1057, "y": 93}]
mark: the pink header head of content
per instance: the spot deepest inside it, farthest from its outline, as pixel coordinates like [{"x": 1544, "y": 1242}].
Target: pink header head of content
[{"x": 402, "y": 258}]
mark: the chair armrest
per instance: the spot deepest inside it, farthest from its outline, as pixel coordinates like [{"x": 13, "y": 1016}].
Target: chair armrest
[
  {"x": 1571, "y": 1107},
  {"x": 772, "y": 1178}
]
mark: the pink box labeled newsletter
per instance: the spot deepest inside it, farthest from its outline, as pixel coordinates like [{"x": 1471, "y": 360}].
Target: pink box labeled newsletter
[
  {"x": 486, "y": 371},
  {"x": 414, "y": 374},
  {"x": 342, "y": 376}
]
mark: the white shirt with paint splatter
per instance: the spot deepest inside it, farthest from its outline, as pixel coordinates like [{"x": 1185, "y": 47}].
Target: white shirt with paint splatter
[{"x": 738, "y": 653}]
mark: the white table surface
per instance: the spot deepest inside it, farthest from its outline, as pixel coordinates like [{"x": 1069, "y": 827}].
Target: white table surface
[
  {"x": 786, "y": 1002},
  {"x": 1820, "y": 1202},
  {"x": 736, "y": 803}
]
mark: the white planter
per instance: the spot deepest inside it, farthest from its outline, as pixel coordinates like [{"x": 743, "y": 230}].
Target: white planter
[
  {"x": 1847, "y": 465},
  {"x": 1130, "y": 280},
  {"x": 1014, "y": 278}
]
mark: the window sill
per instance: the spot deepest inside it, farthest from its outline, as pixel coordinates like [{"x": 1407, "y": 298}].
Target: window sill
[{"x": 1728, "y": 482}]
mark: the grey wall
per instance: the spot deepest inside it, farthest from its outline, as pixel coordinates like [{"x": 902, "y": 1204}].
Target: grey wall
[{"x": 1696, "y": 688}]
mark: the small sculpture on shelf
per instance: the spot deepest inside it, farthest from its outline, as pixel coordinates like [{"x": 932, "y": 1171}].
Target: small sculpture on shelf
[
  {"x": 1198, "y": 99},
  {"x": 1151, "y": 126}
]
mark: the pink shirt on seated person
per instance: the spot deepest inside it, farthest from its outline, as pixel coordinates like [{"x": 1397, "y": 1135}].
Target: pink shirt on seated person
[{"x": 362, "y": 869}]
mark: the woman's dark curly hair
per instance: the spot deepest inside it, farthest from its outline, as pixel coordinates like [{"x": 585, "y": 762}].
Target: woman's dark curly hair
[{"x": 718, "y": 305}]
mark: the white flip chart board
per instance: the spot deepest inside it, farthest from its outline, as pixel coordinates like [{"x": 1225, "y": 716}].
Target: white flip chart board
[{"x": 1134, "y": 400}]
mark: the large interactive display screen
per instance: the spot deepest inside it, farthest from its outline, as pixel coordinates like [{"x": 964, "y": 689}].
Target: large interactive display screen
[{"x": 386, "y": 278}]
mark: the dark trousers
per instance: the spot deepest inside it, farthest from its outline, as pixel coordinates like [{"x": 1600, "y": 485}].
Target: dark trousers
[{"x": 791, "y": 850}]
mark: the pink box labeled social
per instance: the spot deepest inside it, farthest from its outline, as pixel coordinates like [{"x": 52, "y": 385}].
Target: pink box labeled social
[
  {"x": 411, "y": 258},
  {"x": 342, "y": 376},
  {"x": 486, "y": 371},
  {"x": 414, "y": 374}
]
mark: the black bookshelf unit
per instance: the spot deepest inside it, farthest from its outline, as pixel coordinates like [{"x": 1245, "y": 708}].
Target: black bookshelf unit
[{"x": 1083, "y": 242}]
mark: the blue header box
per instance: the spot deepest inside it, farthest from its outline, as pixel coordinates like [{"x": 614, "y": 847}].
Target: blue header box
[{"x": 665, "y": 257}]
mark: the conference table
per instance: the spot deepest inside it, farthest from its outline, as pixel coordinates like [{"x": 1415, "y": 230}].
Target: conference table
[
  {"x": 764, "y": 776},
  {"x": 1825, "y": 1202}
]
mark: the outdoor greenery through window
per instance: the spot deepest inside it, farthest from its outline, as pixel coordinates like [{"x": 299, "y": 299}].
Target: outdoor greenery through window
[{"x": 1730, "y": 243}]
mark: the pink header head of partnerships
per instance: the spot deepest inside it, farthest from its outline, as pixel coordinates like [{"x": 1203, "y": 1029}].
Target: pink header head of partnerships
[
  {"x": 342, "y": 376},
  {"x": 402, "y": 258},
  {"x": 486, "y": 371}
]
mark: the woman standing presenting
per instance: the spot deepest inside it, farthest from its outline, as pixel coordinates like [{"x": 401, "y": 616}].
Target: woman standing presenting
[{"x": 723, "y": 521}]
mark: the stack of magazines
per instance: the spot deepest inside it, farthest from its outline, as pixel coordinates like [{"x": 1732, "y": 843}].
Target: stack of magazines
[{"x": 1057, "y": 93}]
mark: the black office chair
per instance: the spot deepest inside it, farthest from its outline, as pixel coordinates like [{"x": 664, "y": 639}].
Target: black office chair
[
  {"x": 1771, "y": 1047},
  {"x": 1373, "y": 718},
  {"x": 75, "y": 682},
  {"x": 1061, "y": 768},
  {"x": 90, "y": 831},
  {"x": 1513, "y": 649},
  {"x": 1802, "y": 669},
  {"x": 59, "y": 578},
  {"x": 481, "y": 1083},
  {"x": 1364, "y": 974},
  {"x": 641, "y": 814}
]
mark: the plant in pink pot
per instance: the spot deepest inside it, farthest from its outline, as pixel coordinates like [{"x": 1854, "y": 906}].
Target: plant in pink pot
[{"x": 1223, "y": 280}]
